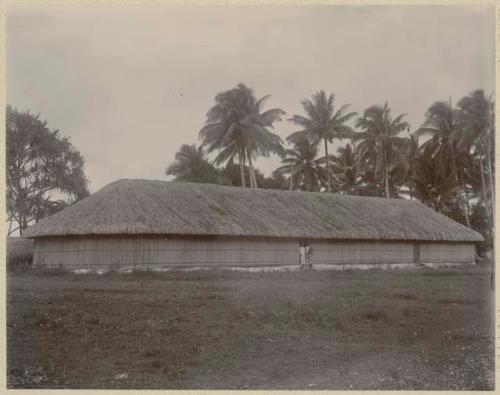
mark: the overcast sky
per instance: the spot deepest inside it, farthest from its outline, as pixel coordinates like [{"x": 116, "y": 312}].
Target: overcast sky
[{"x": 129, "y": 85}]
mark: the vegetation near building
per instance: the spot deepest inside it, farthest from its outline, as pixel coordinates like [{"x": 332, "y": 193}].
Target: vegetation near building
[
  {"x": 41, "y": 166},
  {"x": 302, "y": 166},
  {"x": 323, "y": 124},
  {"x": 380, "y": 145},
  {"x": 447, "y": 163},
  {"x": 239, "y": 130}
]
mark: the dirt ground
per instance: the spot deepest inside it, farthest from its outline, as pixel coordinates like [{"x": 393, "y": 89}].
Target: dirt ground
[{"x": 428, "y": 329}]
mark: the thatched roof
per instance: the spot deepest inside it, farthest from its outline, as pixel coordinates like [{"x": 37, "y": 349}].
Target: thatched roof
[{"x": 175, "y": 208}]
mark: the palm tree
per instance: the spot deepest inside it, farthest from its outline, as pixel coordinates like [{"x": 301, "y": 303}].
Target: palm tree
[
  {"x": 191, "y": 165},
  {"x": 345, "y": 166},
  {"x": 465, "y": 175},
  {"x": 475, "y": 114},
  {"x": 443, "y": 125},
  {"x": 433, "y": 186},
  {"x": 412, "y": 153},
  {"x": 302, "y": 166},
  {"x": 237, "y": 128},
  {"x": 379, "y": 141},
  {"x": 322, "y": 123}
]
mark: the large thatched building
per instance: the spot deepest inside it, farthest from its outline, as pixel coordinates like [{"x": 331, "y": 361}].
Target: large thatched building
[{"x": 155, "y": 223}]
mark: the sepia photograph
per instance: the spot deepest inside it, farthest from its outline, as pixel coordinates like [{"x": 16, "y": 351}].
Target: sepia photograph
[{"x": 250, "y": 197}]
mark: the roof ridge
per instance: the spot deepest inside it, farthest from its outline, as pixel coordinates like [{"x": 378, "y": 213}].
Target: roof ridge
[{"x": 248, "y": 190}]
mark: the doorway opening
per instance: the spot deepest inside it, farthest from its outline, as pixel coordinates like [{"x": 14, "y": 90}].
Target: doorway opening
[{"x": 305, "y": 254}]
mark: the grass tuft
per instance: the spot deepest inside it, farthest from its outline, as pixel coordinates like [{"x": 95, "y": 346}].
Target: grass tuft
[
  {"x": 376, "y": 316},
  {"x": 405, "y": 296}
]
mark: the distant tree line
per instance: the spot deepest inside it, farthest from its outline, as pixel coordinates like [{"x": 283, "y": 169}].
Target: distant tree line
[{"x": 447, "y": 163}]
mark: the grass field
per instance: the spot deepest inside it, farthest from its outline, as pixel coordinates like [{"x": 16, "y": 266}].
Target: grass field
[{"x": 420, "y": 329}]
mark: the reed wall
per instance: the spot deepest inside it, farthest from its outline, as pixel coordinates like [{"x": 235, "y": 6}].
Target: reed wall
[
  {"x": 92, "y": 252},
  {"x": 146, "y": 251},
  {"x": 447, "y": 253},
  {"x": 361, "y": 252}
]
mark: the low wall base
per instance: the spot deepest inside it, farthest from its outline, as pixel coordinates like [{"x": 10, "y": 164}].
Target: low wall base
[
  {"x": 437, "y": 265},
  {"x": 281, "y": 268}
]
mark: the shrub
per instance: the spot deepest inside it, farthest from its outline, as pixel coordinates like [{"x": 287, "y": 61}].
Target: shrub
[
  {"x": 144, "y": 273},
  {"x": 49, "y": 271},
  {"x": 19, "y": 254}
]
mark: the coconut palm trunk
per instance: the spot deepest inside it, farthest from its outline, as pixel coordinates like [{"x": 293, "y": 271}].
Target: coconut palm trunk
[
  {"x": 10, "y": 227},
  {"x": 23, "y": 224},
  {"x": 253, "y": 180},
  {"x": 483, "y": 189},
  {"x": 328, "y": 188},
  {"x": 460, "y": 182},
  {"x": 242, "y": 171},
  {"x": 386, "y": 176},
  {"x": 291, "y": 178},
  {"x": 410, "y": 184},
  {"x": 492, "y": 184},
  {"x": 488, "y": 158},
  {"x": 465, "y": 204},
  {"x": 309, "y": 182}
]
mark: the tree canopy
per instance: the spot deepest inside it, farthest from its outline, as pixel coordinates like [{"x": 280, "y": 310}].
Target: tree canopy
[
  {"x": 191, "y": 165},
  {"x": 380, "y": 143},
  {"x": 239, "y": 130},
  {"x": 45, "y": 172},
  {"x": 322, "y": 123}
]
